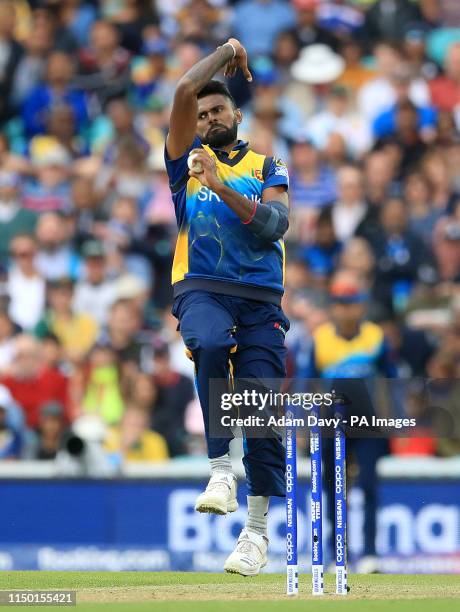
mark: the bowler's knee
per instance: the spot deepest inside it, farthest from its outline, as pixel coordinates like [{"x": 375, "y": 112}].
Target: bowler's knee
[{"x": 210, "y": 346}]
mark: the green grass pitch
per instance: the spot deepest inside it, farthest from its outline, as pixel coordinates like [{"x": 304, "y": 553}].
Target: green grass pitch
[{"x": 181, "y": 591}]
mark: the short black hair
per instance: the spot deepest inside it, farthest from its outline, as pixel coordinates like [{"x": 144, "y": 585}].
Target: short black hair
[{"x": 216, "y": 87}]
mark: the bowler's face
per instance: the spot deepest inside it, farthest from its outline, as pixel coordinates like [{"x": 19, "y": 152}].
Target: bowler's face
[{"x": 217, "y": 120}]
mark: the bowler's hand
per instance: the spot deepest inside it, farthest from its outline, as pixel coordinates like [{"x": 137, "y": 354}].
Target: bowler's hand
[
  {"x": 208, "y": 177},
  {"x": 239, "y": 61}
]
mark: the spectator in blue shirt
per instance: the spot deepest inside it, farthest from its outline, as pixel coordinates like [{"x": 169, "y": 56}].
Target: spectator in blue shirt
[
  {"x": 312, "y": 184},
  {"x": 323, "y": 255},
  {"x": 78, "y": 17},
  {"x": 56, "y": 90},
  {"x": 386, "y": 123},
  {"x": 257, "y": 23}
]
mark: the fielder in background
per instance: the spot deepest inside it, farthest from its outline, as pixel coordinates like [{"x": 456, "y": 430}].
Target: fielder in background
[
  {"x": 348, "y": 351},
  {"x": 231, "y": 207}
]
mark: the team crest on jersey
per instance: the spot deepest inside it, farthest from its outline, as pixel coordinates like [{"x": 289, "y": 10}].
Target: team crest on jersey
[
  {"x": 257, "y": 173},
  {"x": 281, "y": 168}
]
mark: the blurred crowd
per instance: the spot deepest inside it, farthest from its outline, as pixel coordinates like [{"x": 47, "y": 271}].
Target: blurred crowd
[{"x": 361, "y": 98}]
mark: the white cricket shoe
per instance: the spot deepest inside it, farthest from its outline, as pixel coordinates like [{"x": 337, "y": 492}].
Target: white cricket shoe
[
  {"x": 249, "y": 556},
  {"x": 219, "y": 496}
]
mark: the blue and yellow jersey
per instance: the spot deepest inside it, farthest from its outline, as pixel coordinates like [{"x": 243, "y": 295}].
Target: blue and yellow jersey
[
  {"x": 363, "y": 356},
  {"x": 215, "y": 251}
]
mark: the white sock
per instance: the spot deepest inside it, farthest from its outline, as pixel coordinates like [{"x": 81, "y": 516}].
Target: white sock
[
  {"x": 257, "y": 514},
  {"x": 221, "y": 464}
]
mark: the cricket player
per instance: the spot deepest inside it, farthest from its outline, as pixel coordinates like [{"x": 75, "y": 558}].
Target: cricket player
[
  {"x": 348, "y": 351},
  {"x": 228, "y": 272}
]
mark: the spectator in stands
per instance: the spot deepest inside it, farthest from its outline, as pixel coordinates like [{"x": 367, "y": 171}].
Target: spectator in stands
[
  {"x": 336, "y": 152},
  {"x": 278, "y": 16},
  {"x": 309, "y": 30},
  {"x": 357, "y": 257},
  {"x": 356, "y": 72},
  {"x": 49, "y": 188},
  {"x": 11, "y": 438},
  {"x": 32, "y": 65},
  {"x": 315, "y": 71},
  {"x": 204, "y": 21},
  {"x": 133, "y": 441},
  {"x": 312, "y": 183},
  {"x": 400, "y": 255},
  {"x": 77, "y": 17},
  {"x": 414, "y": 48},
  {"x": 7, "y": 332},
  {"x": 25, "y": 285},
  {"x": 378, "y": 94},
  {"x": 63, "y": 39},
  {"x": 386, "y": 123},
  {"x": 447, "y": 133},
  {"x": 87, "y": 209},
  {"x": 420, "y": 440},
  {"x": 323, "y": 255},
  {"x": 267, "y": 116},
  {"x": 52, "y": 353},
  {"x": 50, "y": 430},
  {"x": 14, "y": 219},
  {"x": 30, "y": 383},
  {"x": 77, "y": 331},
  {"x": 436, "y": 170},
  {"x": 12, "y": 52},
  {"x": 338, "y": 118},
  {"x": 174, "y": 392},
  {"x": 379, "y": 177},
  {"x": 102, "y": 393},
  {"x": 94, "y": 292},
  {"x": 56, "y": 257},
  {"x": 408, "y": 137},
  {"x": 104, "y": 64},
  {"x": 446, "y": 244},
  {"x": 445, "y": 89},
  {"x": 351, "y": 209},
  {"x": 422, "y": 216},
  {"x": 123, "y": 332},
  {"x": 339, "y": 17},
  {"x": 389, "y": 20},
  {"x": 130, "y": 18},
  {"x": 411, "y": 349},
  {"x": 430, "y": 307},
  {"x": 268, "y": 94},
  {"x": 57, "y": 89},
  {"x": 184, "y": 56},
  {"x": 443, "y": 372},
  {"x": 150, "y": 82},
  {"x": 125, "y": 233},
  {"x": 127, "y": 175},
  {"x": 285, "y": 52},
  {"x": 11, "y": 161},
  {"x": 62, "y": 126}
]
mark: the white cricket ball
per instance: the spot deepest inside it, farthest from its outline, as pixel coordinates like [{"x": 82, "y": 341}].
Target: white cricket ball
[{"x": 194, "y": 164}]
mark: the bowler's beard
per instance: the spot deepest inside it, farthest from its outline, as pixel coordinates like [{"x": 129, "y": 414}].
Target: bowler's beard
[{"x": 221, "y": 137}]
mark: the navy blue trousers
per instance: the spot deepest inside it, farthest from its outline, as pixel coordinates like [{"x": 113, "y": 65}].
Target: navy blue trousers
[{"x": 218, "y": 328}]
